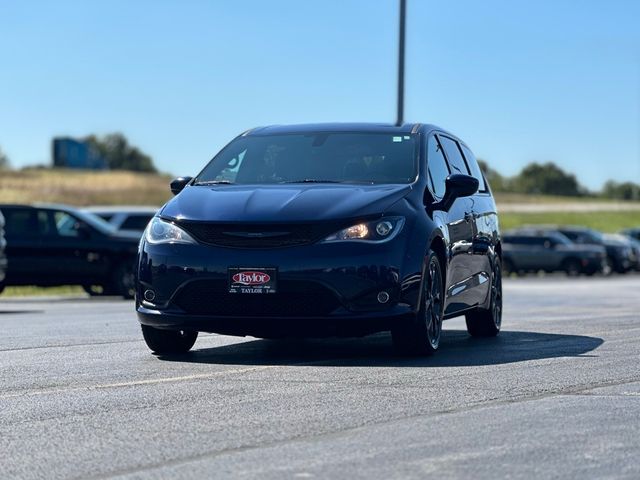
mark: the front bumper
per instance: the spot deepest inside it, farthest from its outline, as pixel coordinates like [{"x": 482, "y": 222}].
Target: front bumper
[{"x": 323, "y": 289}]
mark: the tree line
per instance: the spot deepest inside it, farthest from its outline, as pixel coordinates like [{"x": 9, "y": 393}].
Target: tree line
[
  {"x": 550, "y": 179},
  {"x": 116, "y": 150},
  {"x": 534, "y": 178}
]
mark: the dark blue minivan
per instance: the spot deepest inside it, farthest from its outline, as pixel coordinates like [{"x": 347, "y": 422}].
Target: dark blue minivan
[{"x": 325, "y": 230}]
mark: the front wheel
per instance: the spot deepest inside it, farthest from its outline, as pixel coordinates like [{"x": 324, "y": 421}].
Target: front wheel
[
  {"x": 168, "y": 341},
  {"x": 487, "y": 323},
  {"x": 421, "y": 335}
]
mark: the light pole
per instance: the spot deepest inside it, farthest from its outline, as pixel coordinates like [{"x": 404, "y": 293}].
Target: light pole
[{"x": 403, "y": 14}]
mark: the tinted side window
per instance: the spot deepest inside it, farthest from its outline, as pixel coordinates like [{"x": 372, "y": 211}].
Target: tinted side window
[
  {"x": 454, "y": 156},
  {"x": 136, "y": 222},
  {"x": 535, "y": 241},
  {"x": 66, "y": 225},
  {"x": 472, "y": 163},
  {"x": 437, "y": 168},
  {"x": 26, "y": 223},
  {"x": 20, "y": 223}
]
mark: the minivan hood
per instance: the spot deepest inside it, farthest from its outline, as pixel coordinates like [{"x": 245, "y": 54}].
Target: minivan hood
[{"x": 282, "y": 203}]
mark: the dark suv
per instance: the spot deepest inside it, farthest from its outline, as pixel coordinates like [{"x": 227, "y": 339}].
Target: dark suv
[
  {"x": 532, "y": 251},
  {"x": 50, "y": 245},
  {"x": 3, "y": 257},
  {"x": 324, "y": 230},
  {"x": 620, "y": 257}
]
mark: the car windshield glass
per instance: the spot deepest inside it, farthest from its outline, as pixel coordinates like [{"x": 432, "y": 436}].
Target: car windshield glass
[{"x": 314, "y": 158}]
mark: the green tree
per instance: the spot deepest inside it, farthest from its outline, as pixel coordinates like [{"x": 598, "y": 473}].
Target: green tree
[
  {"x": 119, "y": 154},
  {"x": 5, "y": 164},
  {"x": 547, "y": 179},
  {"x": 497, "y": 182},
  {"x": 621, "y": 191}
]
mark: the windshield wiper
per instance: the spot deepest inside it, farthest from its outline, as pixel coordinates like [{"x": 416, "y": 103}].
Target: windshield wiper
[
  {"x": 214, "y": 182},
  {"x": 313, "y": 180}
]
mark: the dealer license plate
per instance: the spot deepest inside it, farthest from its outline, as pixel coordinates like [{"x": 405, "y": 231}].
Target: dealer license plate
[{"x": 253, "y": 280}]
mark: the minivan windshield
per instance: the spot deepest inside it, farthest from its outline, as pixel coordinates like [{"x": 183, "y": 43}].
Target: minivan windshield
[{"x": 314, "y": 158}]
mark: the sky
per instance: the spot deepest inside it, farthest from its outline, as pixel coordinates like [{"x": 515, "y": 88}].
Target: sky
[{"x": 550, "y": 80}]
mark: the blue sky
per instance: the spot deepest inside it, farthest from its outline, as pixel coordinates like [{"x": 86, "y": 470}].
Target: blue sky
[{"x": 519, "y": 81}]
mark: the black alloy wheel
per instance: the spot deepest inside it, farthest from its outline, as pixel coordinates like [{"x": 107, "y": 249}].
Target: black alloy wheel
[
  {"x": 421, "y": 335},
  {"x": 487, "y": 322}
]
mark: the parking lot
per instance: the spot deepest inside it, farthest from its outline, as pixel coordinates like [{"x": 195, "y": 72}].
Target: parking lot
[{"x": 557, "y": 394}]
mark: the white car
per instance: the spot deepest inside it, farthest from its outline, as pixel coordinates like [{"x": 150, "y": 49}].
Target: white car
[{"x": 125, "y": 217}]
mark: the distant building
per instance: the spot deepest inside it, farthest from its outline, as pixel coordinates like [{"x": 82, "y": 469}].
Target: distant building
[{"x": 71, "y": 153}]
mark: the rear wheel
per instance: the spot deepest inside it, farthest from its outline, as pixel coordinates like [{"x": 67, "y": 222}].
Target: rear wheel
[
  {"x": 421, "y": 335},
  {"x": 572, "y": 267},
  {"x": 122, "y": 281},
  {"x": 487, "y": 323},
  {"x": 98, "y": 290},
  {"x": 168, "y": 341},
  {"x": 508, "y": 267}
]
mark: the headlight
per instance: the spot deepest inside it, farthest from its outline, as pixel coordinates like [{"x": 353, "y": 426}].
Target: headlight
[
  {"x": 161, "y": 231},
  {"x": 376, "y": 231}
]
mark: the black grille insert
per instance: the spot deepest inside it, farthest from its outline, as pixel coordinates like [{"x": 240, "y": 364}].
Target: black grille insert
[
  {"x": 293, "y": 299},
  {"x": 257, "y": 235}
]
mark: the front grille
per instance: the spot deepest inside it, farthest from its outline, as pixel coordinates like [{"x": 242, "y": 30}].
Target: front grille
[
  {"x": 256, "y": 235},
  {"x": 293, "y": 299}
]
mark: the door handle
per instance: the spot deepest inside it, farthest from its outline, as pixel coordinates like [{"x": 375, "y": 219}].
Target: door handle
[{"x": 480, "y": 246}]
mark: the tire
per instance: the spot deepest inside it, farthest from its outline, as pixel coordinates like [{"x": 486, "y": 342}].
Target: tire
[
  {"x": 607, "y": 269},
  {"x": 487, "y": 322},
  {"x": 122, "y": 281},
  {"x": 168, "y": 341},
  {"x": 98, "y": 290},
  {"x": 421, "y": 334},
  {"x": 572, "y": 267},
  {"x": 508, "y": 267}
]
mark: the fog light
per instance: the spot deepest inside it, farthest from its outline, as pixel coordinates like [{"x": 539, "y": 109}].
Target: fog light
[
  {"x": 149, "y": 295},
  {"x": 384, "y": 228},
  {"x": 383, "y": 297}
]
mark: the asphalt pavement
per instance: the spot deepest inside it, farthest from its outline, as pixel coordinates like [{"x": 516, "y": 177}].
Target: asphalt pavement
[{"x": 556, "y": 395}]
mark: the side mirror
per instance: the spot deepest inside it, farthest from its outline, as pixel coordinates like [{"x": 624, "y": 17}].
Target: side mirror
[
  {"x": 457, "y": 186},
  {"x": 179, "y": 183}
]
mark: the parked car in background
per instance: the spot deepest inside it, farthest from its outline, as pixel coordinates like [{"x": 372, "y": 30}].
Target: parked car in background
[
  {"x": 3, "y": 257},
  {"x": 124, "y": 217},
  {"x": 531, "y": 250},
  {"x": 619, "y": 255},
  {"x": 325, "y": 230},
  {"x": 632, "y": 232},
  {"x": 628, "y": 242},
  {"x": 50, "y": 245}
]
